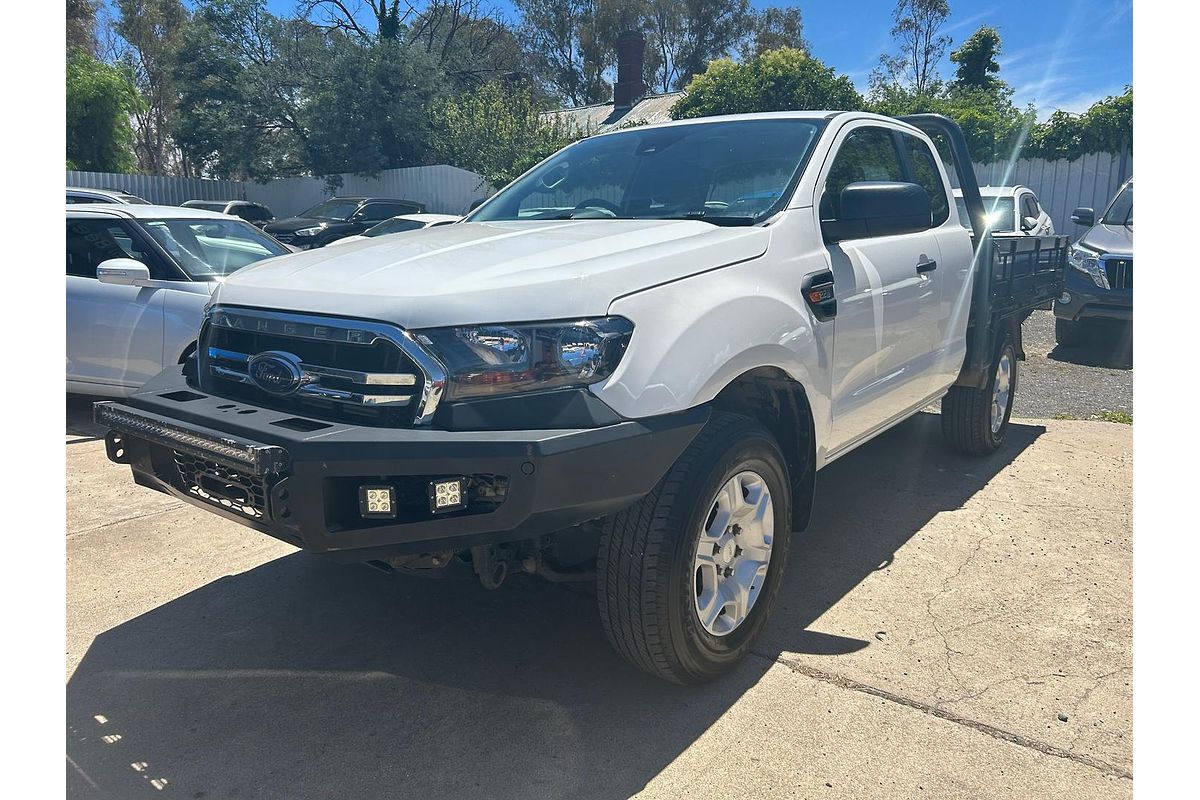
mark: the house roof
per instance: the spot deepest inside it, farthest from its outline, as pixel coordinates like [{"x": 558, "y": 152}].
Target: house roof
[{"x": 603, "y": 117}]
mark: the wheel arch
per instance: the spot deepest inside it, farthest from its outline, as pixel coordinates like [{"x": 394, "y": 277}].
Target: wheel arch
[{"x": 774, "y": 398}]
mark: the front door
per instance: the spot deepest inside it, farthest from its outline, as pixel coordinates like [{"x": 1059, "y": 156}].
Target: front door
[
  {"x": 888, "y": 293},
  {"x": 114, "y": 333}
]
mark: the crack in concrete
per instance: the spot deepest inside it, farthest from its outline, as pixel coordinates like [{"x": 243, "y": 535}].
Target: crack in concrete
[
  {"x": 941, "y": 713},
  {"x": 1096, "y": 681},
  {"x": 82, "y": 531}
]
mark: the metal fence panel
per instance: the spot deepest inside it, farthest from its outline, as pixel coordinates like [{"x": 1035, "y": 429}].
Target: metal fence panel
[
  {"x": 158, "y": 188},
  {"x": 1062, "y": 186}
]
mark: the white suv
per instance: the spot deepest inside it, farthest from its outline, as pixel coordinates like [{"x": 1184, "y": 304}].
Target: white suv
[{"x": 138, "y": 277}]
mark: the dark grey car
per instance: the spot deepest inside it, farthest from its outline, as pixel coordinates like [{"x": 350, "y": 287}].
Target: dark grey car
[{"x": 1099, "y": 284}]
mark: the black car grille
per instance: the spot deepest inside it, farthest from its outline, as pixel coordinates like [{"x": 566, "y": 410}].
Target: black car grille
[
  {"x": 371, "y": 382},
  {"x": 1120, "y": 272},
  {"x": 222, "y": 486},
  {"x": 287, "y": 237}
]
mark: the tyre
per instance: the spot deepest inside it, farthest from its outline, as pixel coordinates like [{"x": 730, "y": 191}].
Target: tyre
[
  {"x": 974, "y": 421},
  {"x": 688, "y": 575},
  {"x": 1069, "y": 334}
]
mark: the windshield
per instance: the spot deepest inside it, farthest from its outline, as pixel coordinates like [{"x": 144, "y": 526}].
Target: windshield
[
  {"x": 212, "y": 248},
  {"x": 1121, "y": 210},
  {"x": 332, "y": 209},
  {"x": 395, "y": 225},
  {"x": 721, "y": 172},
  {"x": 999, "y": 213},
  {"x": 218, "y": 207}
]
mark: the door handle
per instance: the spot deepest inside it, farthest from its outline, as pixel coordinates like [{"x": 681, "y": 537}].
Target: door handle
[{"x": 926, "y": 265}]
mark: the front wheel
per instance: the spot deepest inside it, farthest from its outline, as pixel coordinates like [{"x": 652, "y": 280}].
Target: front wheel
[
  {"x": 688, "y": 575},
  {"x": 974, "y": 421}
]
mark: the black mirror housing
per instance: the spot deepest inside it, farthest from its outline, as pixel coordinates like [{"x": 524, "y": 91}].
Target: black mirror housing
[
  {"x": 1084, "y": 216},
  {"x": 879, "y": 208}
]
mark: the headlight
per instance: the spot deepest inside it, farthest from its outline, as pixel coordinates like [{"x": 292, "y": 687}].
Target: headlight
[
  {"x": 490, "y": 360},
  {"x": 1088, "y": 263},
  {"x": 313, "y": 231}
]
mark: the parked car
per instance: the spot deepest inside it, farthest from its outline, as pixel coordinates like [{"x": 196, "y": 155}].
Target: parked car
[
  {"x": 256, "y": 214},
  {"x": 1011, "y": 209},
  {"x": 636, "y": 391},
  {"x": 401, "y": 224},
  {"x": 337, "y": 218},
  {"x": 138, "y": 277},
  {"x": 76, "y": 195},
  {"x": 1099, "y": 283}
]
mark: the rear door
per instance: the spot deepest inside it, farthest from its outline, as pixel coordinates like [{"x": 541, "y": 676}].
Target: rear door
[
  {"x": 114, "y": 333},
  {"x": 887, "y": 288}
]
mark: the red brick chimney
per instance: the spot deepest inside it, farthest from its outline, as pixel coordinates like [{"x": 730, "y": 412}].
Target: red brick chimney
[{"x": 631, "y": 58}]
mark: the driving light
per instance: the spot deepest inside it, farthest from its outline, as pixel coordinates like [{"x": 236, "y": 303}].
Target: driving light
[
  {"x": 447, "y": 495},
  {"x": 492, "y": 360},
  {"x": 377, "y": 502}
]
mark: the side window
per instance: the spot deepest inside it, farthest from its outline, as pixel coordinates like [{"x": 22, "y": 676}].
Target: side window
[
  {"x": 1029, "y": 206},
  {"x": 925, "y": 174},
  {"x": 254, "y": 213},
  {"x": 867, "y": 154},
  {"x": 72, "y": 199},
  {"x": 91, "y": 241}
]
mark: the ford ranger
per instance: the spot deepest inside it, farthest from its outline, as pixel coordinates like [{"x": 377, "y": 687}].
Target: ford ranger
[{"x": 625, "y": 367}]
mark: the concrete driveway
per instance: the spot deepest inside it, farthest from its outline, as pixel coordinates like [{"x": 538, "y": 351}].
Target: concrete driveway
[{"x": 948, "y": 627}]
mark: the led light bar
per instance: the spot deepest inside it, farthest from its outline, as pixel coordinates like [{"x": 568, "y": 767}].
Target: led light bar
[{"x": 235, "y": 453}]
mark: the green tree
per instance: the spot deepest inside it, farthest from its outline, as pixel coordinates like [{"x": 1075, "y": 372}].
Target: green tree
[
  {"x": 100, "y": 100},
  {"x": 81, "y": 26},
  {"x": 779, "y": 80},
  {"x": 498, "y": 131},
  {"x": 372, "y": 109},
  {"x": 976, "y": 62},
  {"x": 151, "y": 33},
  {"x": 565, "y": 53},
  {"x": 775, "y": 27},
  {"x": 1106, "y": 127},
  {"x": 916, "y": 29}
]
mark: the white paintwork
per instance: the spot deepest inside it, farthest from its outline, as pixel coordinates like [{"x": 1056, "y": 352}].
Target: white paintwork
[
  {"x": 708, "y": 303},
  {"x": 118, "y": 337},
  {"x": 1044, "y": 226},
  {"x": 427, "y": 219}
]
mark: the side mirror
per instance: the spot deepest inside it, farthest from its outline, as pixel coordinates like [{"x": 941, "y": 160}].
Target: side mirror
[
  {"x": 1084, "y": 216},
  {"x": 476, "y": 203},
  {"x": 879, "y": 208},
  {"x": 123, "y": 272},
  {"x": 1029, "y": 223}
]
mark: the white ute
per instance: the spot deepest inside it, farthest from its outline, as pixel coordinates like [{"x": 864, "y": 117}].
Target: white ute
[{"x": 625, "y": 367}]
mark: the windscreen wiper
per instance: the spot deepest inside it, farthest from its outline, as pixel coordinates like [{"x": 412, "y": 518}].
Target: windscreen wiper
[{"x": 715, "y": 219}]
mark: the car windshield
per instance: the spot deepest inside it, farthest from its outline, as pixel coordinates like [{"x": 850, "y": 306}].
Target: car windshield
[
  {"x": 332, "y": 209},
  {"x": 727, "y": 173},
  {"x": 394, "y": 225},
  {"x": 1121, "y": 210},
  {"x": 999, "y": 213},
  {"x": 207, "y": 249}
]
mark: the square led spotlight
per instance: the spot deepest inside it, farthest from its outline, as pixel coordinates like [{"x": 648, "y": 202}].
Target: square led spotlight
[
  {"x": 377, "y": 502},
  {"x": 449, "y": 494}
]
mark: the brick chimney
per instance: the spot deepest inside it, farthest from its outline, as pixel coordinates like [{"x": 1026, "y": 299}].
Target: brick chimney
[{"x": 631, "y": 58}]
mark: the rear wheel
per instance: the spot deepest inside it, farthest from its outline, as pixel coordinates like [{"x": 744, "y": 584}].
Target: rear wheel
[
  {"x": 688, "y": 575},
  {"x": 974, "y": 421}
]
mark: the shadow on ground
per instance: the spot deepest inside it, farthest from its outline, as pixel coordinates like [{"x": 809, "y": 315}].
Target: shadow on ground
[
  {"x": 301, "y": 678},
  {"x": 80, "y": 427},
  {"x": 1109, "y": 344}
]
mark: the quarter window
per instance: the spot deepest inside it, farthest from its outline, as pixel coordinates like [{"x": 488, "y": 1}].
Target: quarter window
[
  {"x": 866, "y": 154},
  {"x": 925, "y": 174}
]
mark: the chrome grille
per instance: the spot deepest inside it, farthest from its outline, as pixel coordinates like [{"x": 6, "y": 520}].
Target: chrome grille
[
  {"x": 1119, "y": 271},
  {"x": 353, "y": 371}
]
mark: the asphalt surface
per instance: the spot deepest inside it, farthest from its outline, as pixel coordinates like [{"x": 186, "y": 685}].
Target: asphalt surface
[
  {"x": 1076, "y": 382},
  {"x": 947, "y": 627}
]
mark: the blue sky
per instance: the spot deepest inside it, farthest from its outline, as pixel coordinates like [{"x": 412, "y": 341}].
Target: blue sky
[{"x": 1058, "y": 54}]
